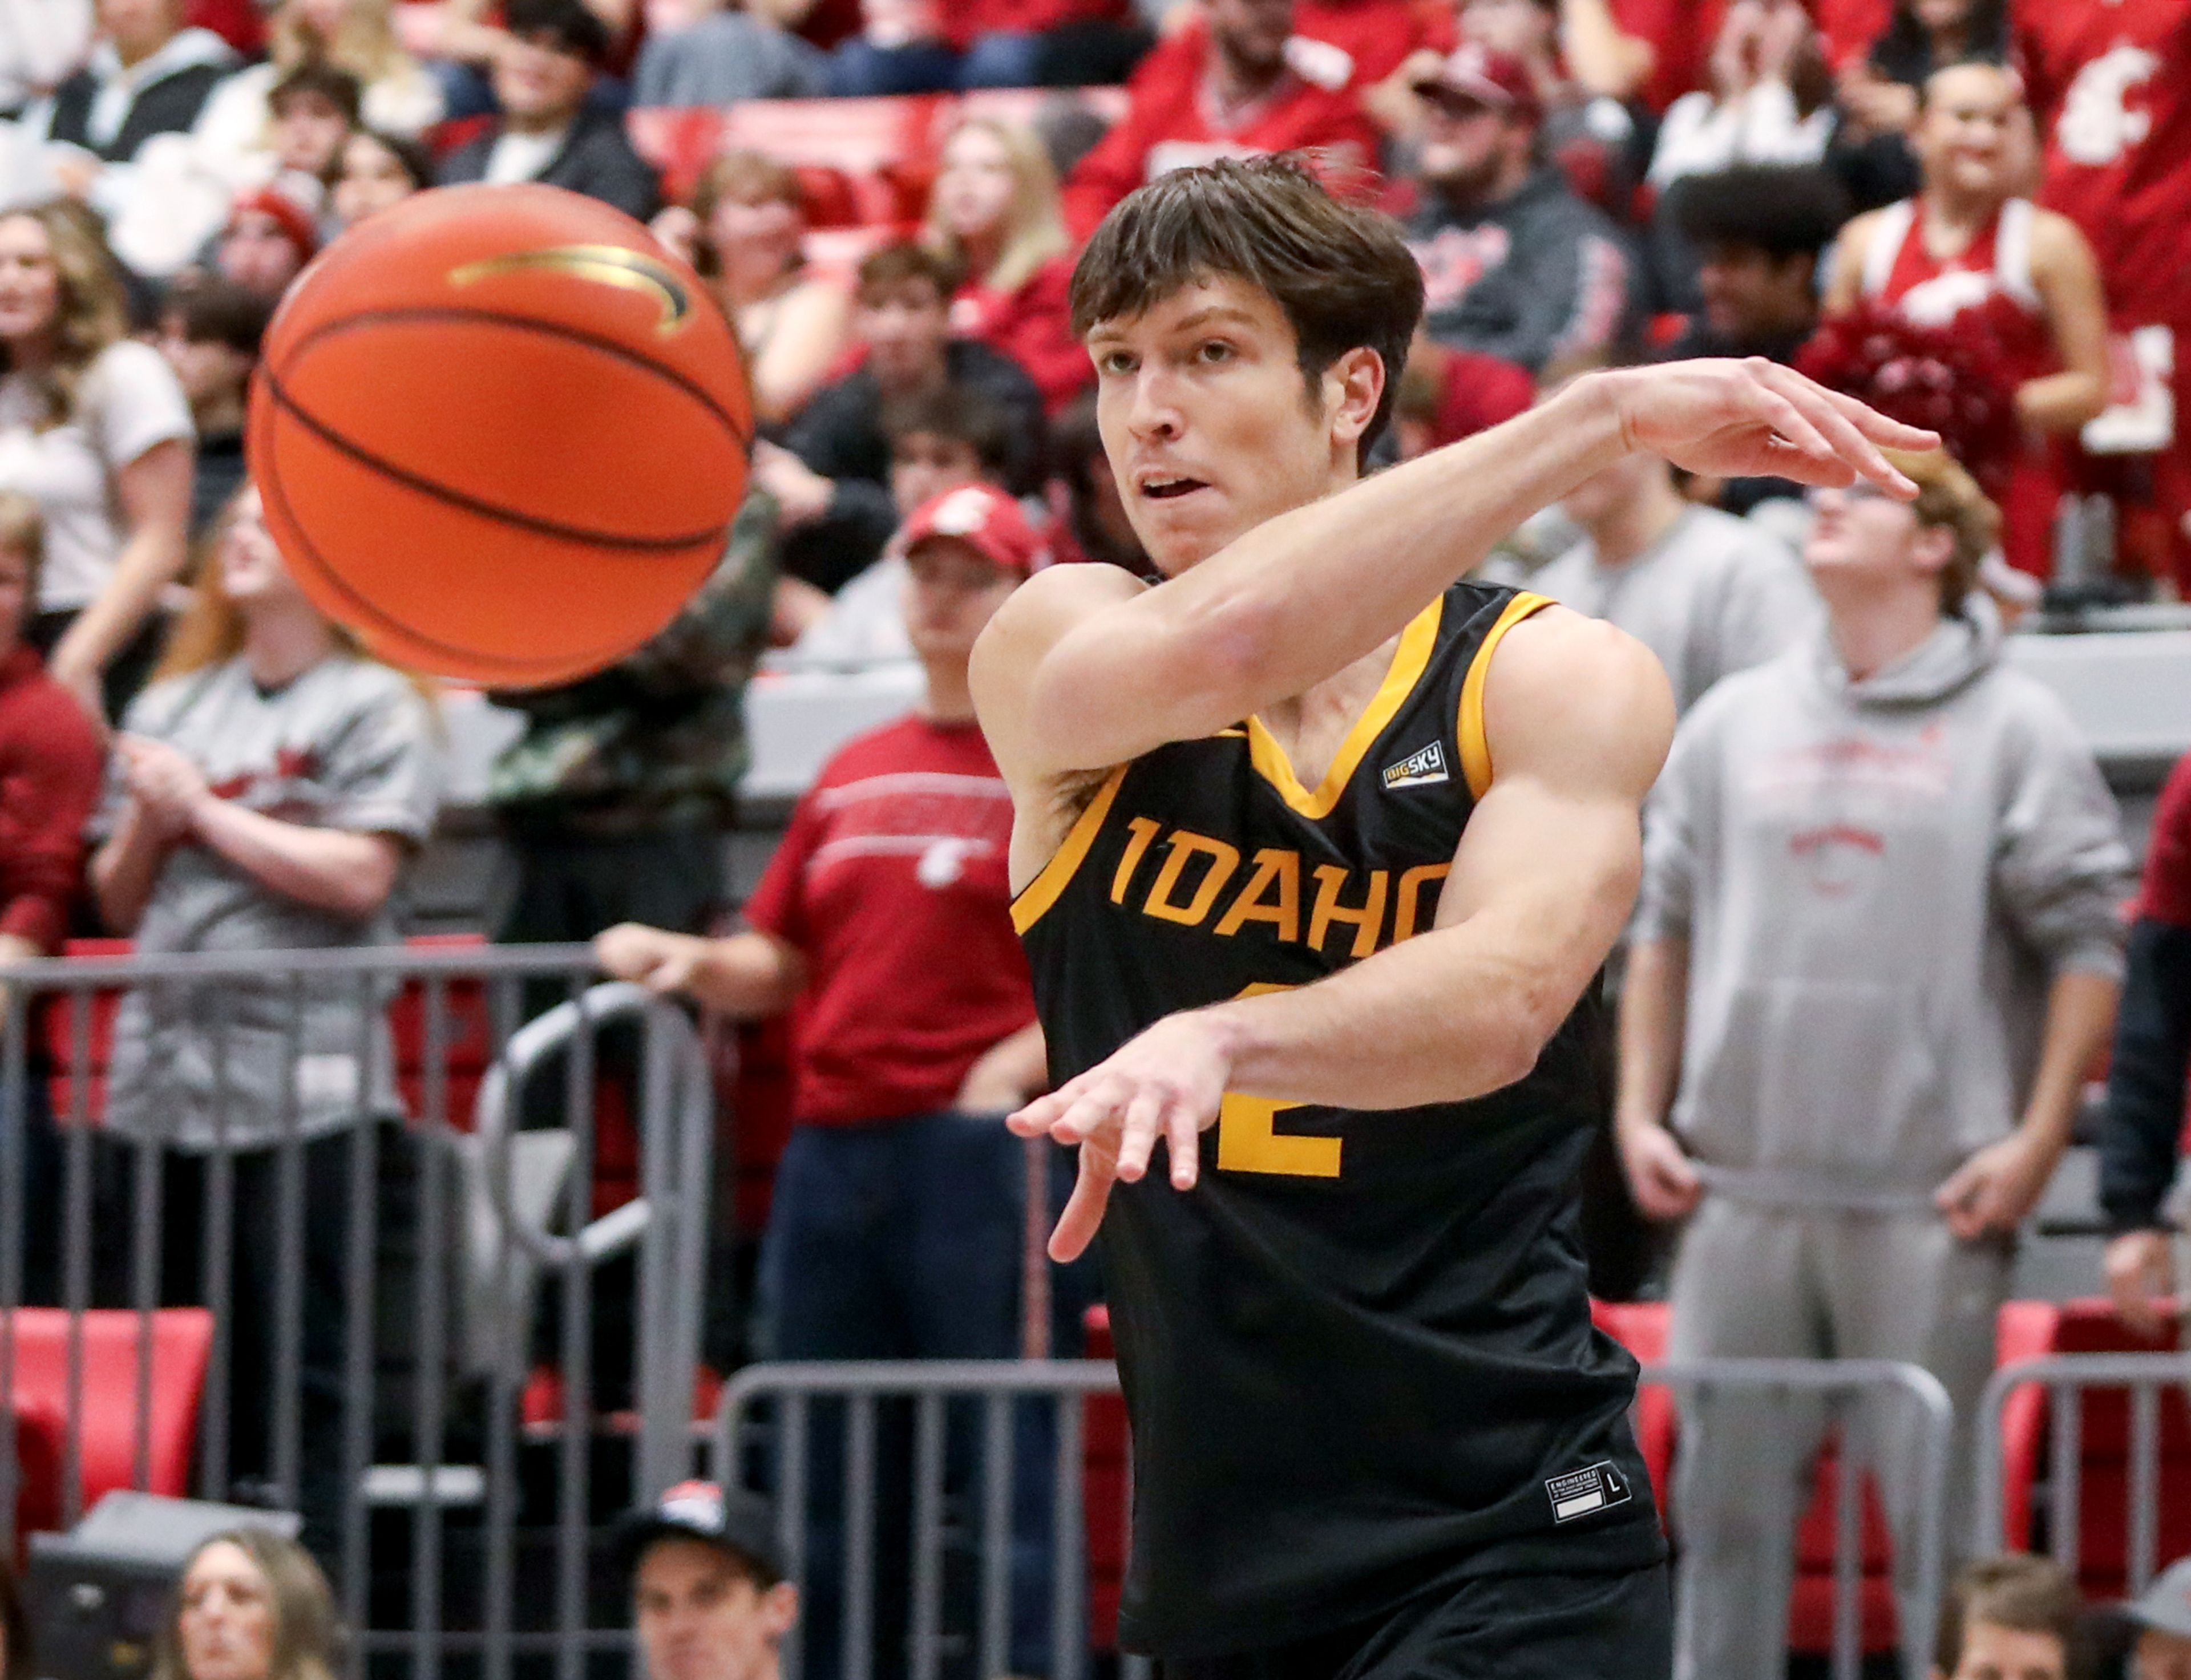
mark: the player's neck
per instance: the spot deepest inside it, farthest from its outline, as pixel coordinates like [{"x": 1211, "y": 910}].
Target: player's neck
[
  {"x": 949, "y": 698},
  {"x": 1638, "y": 525},
  {"x": 283, "y": 639},
  {"x": 1873, "y": 628}
]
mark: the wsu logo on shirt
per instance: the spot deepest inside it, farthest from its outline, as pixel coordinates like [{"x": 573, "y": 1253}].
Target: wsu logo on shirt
[
  {"x": 2098, "y": 123},
  {"x": 1456, "y": 259}
]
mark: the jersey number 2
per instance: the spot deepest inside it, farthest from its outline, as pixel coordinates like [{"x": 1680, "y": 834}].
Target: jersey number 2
[{"x": 1248, "y": 1140}]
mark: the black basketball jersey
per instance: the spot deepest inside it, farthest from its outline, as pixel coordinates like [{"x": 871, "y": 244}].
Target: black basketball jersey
[{"x": 1357, "y": 1357}]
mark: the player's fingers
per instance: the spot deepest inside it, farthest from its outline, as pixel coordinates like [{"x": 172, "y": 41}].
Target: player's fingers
[
  {"x": 1794, "y": 433},
  {"x": 1038, "y": 1116},
  {"x": 1183, "y": 1144},
  {"x": 1137, "y": 1135},
  {"x": 1855, "y": 430},
  {"x": 1094, "y": 1106},
  {"x": 1083, "y": 1210}
]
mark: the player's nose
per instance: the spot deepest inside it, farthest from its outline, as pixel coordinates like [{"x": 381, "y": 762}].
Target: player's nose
[{"x": 1153, "y": 411}]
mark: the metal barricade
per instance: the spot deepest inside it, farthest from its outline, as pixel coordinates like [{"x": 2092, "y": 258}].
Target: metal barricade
[
  {"x": 372, "y": 1279},
  {"x": 793, "y": 1390},
  {"x": 2067, "y": 1377},
  {"x": 1846, "y": 1385}
]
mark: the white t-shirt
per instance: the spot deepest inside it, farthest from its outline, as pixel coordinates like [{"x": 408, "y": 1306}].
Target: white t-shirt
[
  {"x": 128, "y": 401},
  {"x": 522, "y": 157}
]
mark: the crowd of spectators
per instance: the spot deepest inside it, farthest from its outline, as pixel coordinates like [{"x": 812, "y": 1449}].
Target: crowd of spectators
[{"x": 1972, "y": 214}]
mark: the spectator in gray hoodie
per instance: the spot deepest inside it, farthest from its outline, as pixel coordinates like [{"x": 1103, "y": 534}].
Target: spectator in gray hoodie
[{"x": 1876, "y": 950}]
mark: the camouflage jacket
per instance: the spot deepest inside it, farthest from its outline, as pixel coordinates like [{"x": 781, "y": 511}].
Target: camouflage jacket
[{"x": 656, "y": 742}]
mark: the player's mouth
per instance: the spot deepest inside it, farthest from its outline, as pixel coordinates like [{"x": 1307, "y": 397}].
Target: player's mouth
[{"x": 1169, "y": 489}]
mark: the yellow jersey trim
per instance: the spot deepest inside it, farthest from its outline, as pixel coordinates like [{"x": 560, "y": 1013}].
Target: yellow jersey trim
[
  {"x": 1044, "y": 889},
  {"x": 1409, "y": 660},
  {"x": 1475, "y": 747}
]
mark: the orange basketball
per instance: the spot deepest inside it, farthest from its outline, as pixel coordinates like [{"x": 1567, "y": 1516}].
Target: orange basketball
[{"x": 500, "y": 434}]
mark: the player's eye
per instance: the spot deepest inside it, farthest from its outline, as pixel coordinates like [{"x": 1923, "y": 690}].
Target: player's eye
[
  {"x": 1213, "y": 350},
  {"x": 1114, "y": 362}
]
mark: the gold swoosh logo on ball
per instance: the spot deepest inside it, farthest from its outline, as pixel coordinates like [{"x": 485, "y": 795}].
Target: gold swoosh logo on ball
[{"x": 609, "y": 264}]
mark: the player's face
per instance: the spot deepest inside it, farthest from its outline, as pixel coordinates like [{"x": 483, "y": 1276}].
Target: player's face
[
  {"x": 372, "y": 179},
  {"x": 226, "y": 1621},
  {"x": 1204, "y": 420},
  {"x": 1965, "y": 138},
  {"x": 1991, "y": 1652},
  {"x": 974, "y": 192},
  {"x": 2161, "y": 1656},
  {"x": 29, "y": 283},
  {"x": 951, "y": 590},
  {"x": 699, "y": 1617}
]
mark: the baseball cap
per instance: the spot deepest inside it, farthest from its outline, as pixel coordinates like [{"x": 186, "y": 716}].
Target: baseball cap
[
  {"x": 292, "y": 217},
  {"x": 983, "y": 517},
  {"x": 2165, "y": 1607},
  {"x": 732, "y": 1520},
  {"x": 1474, "y": 72}
]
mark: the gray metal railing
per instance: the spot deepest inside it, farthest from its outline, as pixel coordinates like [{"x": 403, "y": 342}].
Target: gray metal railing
[
  {"x": 2068, "y": 1378},
  {"x": 1848, "y": 1386},
  {"x": 389, "y": 1265},
  {"x": 995, "y": 1387}
]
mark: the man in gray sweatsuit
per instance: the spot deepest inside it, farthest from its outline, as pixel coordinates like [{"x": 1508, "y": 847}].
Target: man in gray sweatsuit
[{"x": 1877, "y": 949}]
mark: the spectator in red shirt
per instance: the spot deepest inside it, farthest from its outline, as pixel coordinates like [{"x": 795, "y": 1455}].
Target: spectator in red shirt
[
  {"x": 885, "y": 920},
  {"x": 1233, "y": 84},
  {"x": 994, "y": 213}
]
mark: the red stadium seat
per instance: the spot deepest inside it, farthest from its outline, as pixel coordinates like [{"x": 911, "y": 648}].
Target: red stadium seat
[
  {"x": 181, "y": 1346},
  {"x": 57, "y": 1028},
  {"x": 1642, "y": 1328},
  {"x": 468, "y": 1042},
  {"x": 2031, "y": 1329}
]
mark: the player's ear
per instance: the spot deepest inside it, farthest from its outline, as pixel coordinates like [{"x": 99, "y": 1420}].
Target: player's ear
[{"x": 1354, "y": 386}]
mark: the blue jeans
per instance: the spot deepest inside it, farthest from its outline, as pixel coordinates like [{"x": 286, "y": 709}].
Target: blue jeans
[
  {"x": 860, "y": 70},
  {"x": 900, "y": 1240},
  {"x": 1007, "y": 58}
]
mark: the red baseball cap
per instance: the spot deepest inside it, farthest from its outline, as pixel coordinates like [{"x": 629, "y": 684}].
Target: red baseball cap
[
  {"x": 984, "y": 518},
  {"x": 292, "y": 217},
  {"x": 1474, "y": 72}
]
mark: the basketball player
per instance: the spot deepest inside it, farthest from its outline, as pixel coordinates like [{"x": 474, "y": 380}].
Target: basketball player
[
  {"x": 1967, "y": 243},
  {"x": 1374, "y": 1433}
]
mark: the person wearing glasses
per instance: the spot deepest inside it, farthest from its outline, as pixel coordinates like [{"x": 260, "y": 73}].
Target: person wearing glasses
[{"x": 1876, "y": 952}]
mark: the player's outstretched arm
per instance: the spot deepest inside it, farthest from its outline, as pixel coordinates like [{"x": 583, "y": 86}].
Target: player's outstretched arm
[
  {"x": 1578, "y": 717},
  {"x": 1076, "y": 673}
]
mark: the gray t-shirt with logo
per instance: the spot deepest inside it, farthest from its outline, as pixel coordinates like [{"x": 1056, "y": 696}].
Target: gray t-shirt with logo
[{"x": 350, "y": 744}]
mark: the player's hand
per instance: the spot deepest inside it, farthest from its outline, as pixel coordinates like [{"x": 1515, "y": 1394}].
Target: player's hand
[
  {"x": 1996, "y": 1186},
  {"x": 661, "y": 961},
  {"x": 1167, "y": 1083},
  {"x": 1753, "y": 417},
  {"x": 2142, "y": 1277},
  {"x": 1663, "y": 1180}
]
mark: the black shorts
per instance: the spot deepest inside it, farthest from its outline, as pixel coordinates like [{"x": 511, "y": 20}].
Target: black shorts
[{"x": 1502, "y": 1627}]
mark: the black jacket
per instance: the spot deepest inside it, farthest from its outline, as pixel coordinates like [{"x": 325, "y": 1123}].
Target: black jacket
[
  {"x": 595, "y": 159},
  {"x": 2144, "y": 1119},
  {"x": 168, "y": 103},
  {"x": 839, "y": 436}
]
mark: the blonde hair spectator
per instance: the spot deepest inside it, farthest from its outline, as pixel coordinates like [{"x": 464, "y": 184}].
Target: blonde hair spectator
[
  {"x": 1006, "y": 250},
  {"x": 251, "y": 1605}
]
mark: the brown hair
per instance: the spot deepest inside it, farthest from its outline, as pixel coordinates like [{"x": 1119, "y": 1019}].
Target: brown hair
[
  {"x": 903, "y": 260},
  {"x": 1341, "y": 272},
  {"x": 1948, "y": 499},
  {"x": 23, "y": 531},
  {"x": 739, "y": 178},
  {"x": 91, "y": 311},
  {"x": 306, "y": 1634},
  {"x": 2024, "y": 1594}
]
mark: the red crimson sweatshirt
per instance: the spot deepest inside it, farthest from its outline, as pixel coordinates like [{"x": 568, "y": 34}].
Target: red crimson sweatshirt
[
  {"x": 1032, "y": 325},
  {"x": 50, "y": 770},
  {"x": 1173, "y": 120}
]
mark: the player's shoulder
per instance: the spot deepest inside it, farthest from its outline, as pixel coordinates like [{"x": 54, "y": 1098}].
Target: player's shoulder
[
  {"x": 1562, "y": 684},
  {"x": 1040, "y": 612}
]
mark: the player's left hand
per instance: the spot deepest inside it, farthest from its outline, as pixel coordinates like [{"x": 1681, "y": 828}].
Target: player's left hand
[
  {"x": 1996, "y": 1186},
  {"x": 1166, "y": 1083}
]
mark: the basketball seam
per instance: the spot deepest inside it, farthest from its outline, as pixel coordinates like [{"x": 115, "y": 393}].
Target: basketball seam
[
  {"x": 474, "y": 504},
  {"x": 366, "y": 607},
  {"x": 609, "y": 346}
]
